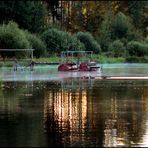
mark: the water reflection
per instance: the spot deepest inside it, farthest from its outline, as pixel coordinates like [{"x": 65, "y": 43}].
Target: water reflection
[
  {"x": 109, "y": 114},
  {"x": 68, "y": 109},
  {"x": 21, "y": 111},
  {"x": 50, "y": 72},
  {"x": 74, "y": 113}
]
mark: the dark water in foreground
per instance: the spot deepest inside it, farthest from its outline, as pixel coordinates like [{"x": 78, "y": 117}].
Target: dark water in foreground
[{"x": 74, "y": 112}]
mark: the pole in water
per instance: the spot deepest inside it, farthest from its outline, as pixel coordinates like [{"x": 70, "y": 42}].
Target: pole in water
[
  {"x": 32, "y": 65},
  {"x": 15, "y": 65}
]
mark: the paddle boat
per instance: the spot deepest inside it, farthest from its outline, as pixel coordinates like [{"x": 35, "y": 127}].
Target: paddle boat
[{"x": 77, "y": 61}]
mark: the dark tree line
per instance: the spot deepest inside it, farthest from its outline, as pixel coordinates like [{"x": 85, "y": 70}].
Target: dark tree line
[
  {"x": 103, "y": 26},
  {"x": 75, "y": 16},
  {"x": 29, "y": 15}
]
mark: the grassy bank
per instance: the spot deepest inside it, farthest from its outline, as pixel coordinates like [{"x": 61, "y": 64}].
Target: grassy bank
[
  {"x": 101, "y": 59},
  {"x": 97, "y": 58}
]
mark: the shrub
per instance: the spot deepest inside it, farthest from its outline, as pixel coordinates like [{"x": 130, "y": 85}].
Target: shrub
[
  {"x": 58, "y": 41},
  {"x": 117, "y": 49},
  {"x": 11, "y": 37},
  {"x": 136, "y": 48},
  {"x": 37, "y": 44},
  {"x": 146, "y": 40},
  {"x": 134, "y": 59},
  {"x": 89, "y": 42}
]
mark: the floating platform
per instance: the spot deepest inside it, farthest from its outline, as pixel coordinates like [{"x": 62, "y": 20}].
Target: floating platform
[{"x": 118, "y": 77}]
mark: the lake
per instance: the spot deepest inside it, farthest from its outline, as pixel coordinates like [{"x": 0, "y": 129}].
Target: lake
[{"x": 47, "y": 108}]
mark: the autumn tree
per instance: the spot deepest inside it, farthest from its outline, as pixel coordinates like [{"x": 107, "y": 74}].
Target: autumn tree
[{"x": 53, "y": 6}]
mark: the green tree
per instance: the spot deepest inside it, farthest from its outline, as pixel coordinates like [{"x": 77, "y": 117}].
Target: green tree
[
  {"x": 11, "y": 37},
  {"x": 58, "y": 41},
  {"x": 89, "y": 42},
  {"x": 139, "y": 49},
  {"x": 136, "y": 12},
  {"x": 120, "y": 26},
  {"x": 29, "y": 15},
  {"x": 37, "y": 44},
  {"x": 103, "y": 35},
  {"x": 117, "y": 49}
]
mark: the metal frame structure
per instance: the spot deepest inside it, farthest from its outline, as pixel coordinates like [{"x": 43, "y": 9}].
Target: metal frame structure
[
  {"x": 10, "y": 50},
  {"x": 69, "y": 53},
  {"x": 21, "y": 60}
]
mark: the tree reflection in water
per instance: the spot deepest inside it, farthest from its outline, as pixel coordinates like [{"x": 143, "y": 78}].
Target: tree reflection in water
[
  {"x": 74, "y": 113},
  {"x": 108, "y": 114}
]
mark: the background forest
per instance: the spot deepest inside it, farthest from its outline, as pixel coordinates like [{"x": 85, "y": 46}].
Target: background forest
[{"x": 116, "y": 30}]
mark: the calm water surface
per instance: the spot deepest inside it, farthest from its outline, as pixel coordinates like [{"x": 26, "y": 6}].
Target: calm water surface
[{"x": 44, "y": 108}]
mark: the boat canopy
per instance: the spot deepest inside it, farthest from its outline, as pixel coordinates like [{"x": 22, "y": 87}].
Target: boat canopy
[
  {"x": 75, "y": 52},
  {"x": 74, "y": 55}
]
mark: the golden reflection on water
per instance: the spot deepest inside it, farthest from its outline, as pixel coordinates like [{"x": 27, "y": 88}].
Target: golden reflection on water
[
  {"x": 144, "y": 140},
  {"x": 99, "y": 117},
  {"x": 70, "y": 111}
]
